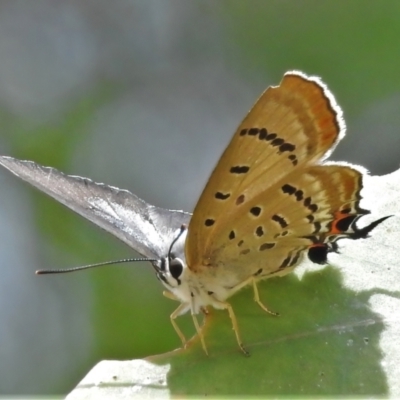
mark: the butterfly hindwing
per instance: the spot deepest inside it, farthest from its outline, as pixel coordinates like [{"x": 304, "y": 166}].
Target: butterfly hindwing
[{"x": 302, "y": 210}]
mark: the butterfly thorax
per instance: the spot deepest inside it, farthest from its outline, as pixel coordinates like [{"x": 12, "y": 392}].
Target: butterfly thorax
[
  {"x": 202, "y": 287},
  {"x": 191, "y": 289}
]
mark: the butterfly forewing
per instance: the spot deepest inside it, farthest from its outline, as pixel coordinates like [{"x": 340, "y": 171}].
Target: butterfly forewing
[{"x": 290, "y": 128}]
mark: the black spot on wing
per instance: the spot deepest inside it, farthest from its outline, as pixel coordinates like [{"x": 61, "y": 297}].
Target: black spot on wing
[
  {"x": 222, "y": 196},
  {"x": 266, "y": 246},
  {"x": 344, "y": 224},
  {"x": 293, "y": 159},
  {"x": 209, "y": 222},
  {"x": 289, "y": 189},
  {"x": 256, "y": 211},
  {"x": 287, "y": 147},
  {"x": 307, "y": 203},
  {"x": 271, "y": 136},
  {"x": 299, "y": 195},
  {"x": 253, "y": 131},
  {"x": 262, "y": 134},
  {"x": 240, "y": 199},
  {"x": 317, "y": 227},
  {"x": 313, "y": 208},
  {"x": 239, "y": 169},
  {"x": 277, "y": 142},
  {"x": 318, "y": 253},
  {"x": 280, "y": 220},
  {"x": 259, "y": 231}
]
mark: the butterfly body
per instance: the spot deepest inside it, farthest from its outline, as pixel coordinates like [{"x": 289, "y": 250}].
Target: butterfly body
[
  {"x": 270, "y": 201},
  {"x": 196, "y": 290}
]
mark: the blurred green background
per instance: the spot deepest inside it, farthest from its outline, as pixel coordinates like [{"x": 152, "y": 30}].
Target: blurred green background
[{"x": 145, "y": 95}]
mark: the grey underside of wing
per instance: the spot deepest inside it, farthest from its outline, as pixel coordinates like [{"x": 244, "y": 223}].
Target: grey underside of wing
[{"x": 146, "y": 228}]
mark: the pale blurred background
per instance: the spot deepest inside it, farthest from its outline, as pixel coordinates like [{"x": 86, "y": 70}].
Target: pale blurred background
[{"x": 144, "y": 95}]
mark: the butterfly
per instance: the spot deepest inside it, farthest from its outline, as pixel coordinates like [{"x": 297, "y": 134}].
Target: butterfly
[{"x": 270, "y": 201}]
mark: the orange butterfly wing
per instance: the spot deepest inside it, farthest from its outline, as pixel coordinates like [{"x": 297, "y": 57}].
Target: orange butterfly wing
[{"x": 257, "y": 210}]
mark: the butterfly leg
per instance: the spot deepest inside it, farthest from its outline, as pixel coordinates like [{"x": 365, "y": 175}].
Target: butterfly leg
[
  {"x": 173, "y": 316},
  {"x": 200, "y": 333},
  {"x": 176, "y": 314},
  {"x": 235, "y": 327},
  {"x": 169, "y": 295},
  {"x": 258, "y": 301}
]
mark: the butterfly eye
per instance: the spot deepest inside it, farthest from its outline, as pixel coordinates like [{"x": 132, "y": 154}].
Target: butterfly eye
[{"x": 176, "y": 268}]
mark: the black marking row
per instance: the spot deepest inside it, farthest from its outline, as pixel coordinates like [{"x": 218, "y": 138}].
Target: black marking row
[
  {"x": 255, "y": 212},
  {"x": 291, "y": 190},
  {"x": 275, "y": 141},
  {"x": 307, "y": 201},
  {"x": 289, "y": 261}
]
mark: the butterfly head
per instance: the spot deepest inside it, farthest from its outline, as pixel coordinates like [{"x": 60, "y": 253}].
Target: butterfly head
[
  {"x": 172, "y": 269},
  {"x": 177, "y": 278},
  {"x": 188, "y": 287}
]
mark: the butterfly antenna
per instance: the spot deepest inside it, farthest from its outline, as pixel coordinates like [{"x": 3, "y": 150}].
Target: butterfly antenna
[
  {"x": 182, "y": 229},
  {"x": 62, "y": 271}
]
